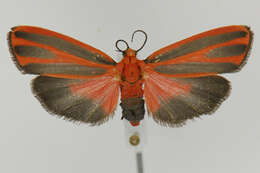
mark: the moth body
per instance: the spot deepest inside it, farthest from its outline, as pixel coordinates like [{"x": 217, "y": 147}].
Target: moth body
[{"x": 131, "y": 86}]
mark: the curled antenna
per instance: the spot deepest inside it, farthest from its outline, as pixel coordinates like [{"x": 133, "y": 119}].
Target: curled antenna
[
  {"x": 144, "y": 39},
  {"x": 120, "y": 50}
]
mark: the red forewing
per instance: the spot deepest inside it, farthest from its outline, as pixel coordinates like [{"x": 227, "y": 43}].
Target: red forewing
[
  {"x": 76, "y": 80},
  {"x": 40, "y": 51},
  {"x": 181, "y": 81},
  {"x": 221, "y": 50}
]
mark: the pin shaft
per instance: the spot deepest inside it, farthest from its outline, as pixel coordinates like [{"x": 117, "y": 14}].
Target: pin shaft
[{"x": 139, "y": 162}]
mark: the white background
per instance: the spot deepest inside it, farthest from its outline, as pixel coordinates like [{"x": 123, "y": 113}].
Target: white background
[{"x": 32, "y": 141}]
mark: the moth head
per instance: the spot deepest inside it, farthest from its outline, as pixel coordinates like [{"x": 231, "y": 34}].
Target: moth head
[{"x": 129, "y": 52}]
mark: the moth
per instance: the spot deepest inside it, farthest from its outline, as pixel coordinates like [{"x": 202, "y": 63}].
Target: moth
[{"x": 178, "y": 82}]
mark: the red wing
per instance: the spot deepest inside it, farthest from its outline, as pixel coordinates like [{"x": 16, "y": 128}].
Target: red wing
[
  {"x": 172, "y": 101},
  {"x": 221, "y": 50},
  {"x": 180, "y": 80},
  {"x": 40, "y": 51},
  {"x": 76, "y": 80},
  {"x": 86, "y": 100}
]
